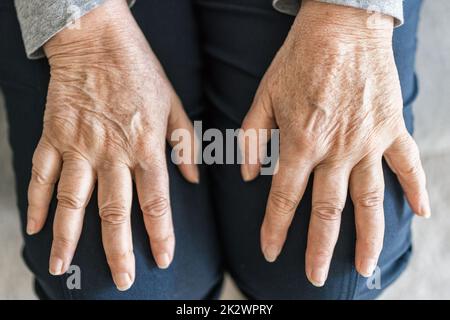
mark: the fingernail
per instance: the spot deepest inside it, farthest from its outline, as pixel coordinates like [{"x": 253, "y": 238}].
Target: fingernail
[
  {"x": 31, "y": 226},
  {"x": 245, "y": 174},
  {"x": 163, "y": 260},
  {"x": 425, "y": 210},
  {"x": 250, "y": 172},
  {"x": 367, "y": 267},
  {"x": 196, "y": 178},
  {"x": 318, "y": 277},
  {"x": 56, "y": 266},
  {"x": 123, "y": 281},
  {"x": 271, "y": 252}
]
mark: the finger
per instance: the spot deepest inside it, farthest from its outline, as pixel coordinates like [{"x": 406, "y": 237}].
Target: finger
[
  {"x": 328, "y": 200},
  {"x": 181, "y": 136},
  {"x": 45, "y": 173},
  {"x": 288, "y": 186},
  {"x": 255, "y": 134},
  {"x": 367, "y": 192},
  {"x": 152, "y": 184},
  {"x": 114, "y": 201},
  {"x": 404, "y": 159},
  {"x": 74, "y": 191}
]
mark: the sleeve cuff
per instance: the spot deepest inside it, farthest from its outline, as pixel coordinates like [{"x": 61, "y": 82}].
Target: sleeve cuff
[
  {"x": 41, "y": 20},
  {"x": 392, "y": 8}
]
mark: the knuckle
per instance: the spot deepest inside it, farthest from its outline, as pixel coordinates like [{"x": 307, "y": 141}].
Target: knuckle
[
  {"x": 414, "y": 175},
  {"x": 70, "y": 200},
  {"x": 38, "y": 154},
  {"x": 116, "y": 258},
  {"x": 39, "y": 177},
  {"x": 62, "y": 242},
  {"x": 162, "y": 238},
  {"x": 114, "y": 214},
  {"x": 282, "y": 202},
  {"x": 156, "y": 207},
  {"x": 274, "y": 227},
  {"x": 327, "y": 211},
  {"x": 373, "y": 199},
  {"x": 372, "y": 245},
  {"x": 412, "y": 170},
  {"x": 321, "y": 254}
]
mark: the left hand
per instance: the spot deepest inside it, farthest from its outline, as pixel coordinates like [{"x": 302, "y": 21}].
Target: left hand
[{"x": 334, "y": 92}]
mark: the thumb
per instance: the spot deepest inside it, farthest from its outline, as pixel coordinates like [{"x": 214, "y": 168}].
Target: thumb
[
  {"x": 404, "y": 159},
  {"x": 254, "y": 135},
  {"x": 181, "y": 136}
]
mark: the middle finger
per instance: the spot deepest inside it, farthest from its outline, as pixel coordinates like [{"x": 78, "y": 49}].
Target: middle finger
[{"x": 328, "y": 199}]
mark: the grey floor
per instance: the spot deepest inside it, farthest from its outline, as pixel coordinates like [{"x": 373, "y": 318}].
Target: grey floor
[{"x": 428, "y": 276}]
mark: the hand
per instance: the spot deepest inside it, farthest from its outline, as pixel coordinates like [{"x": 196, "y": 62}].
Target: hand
[
  {"x": 109, "y": 108},
  {"x": 334, "y": 92}
]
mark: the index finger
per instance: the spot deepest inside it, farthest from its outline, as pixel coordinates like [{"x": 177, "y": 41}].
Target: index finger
[{"x": 288, "y": 186}]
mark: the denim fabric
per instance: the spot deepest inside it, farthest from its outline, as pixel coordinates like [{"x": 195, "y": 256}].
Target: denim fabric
[{"x": 215, "y": 53}]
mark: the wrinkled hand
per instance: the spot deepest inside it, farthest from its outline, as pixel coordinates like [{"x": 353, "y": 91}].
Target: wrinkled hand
[
  {"x": 334, "y": 92},
  {"x": 109, "y": 107}
]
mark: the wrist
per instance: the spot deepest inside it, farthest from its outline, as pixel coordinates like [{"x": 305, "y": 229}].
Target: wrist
[
  {"x": 344, "y": 23},
  {"x": 100, "y": 32}
]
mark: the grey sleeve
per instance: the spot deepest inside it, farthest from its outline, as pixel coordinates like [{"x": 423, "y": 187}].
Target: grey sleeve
[
  {"x": 392, "y": 8},
  {"x": 42, "y": 19}
]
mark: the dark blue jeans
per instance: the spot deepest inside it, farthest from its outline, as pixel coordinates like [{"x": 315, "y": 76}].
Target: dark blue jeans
[{"x": 215, "y": 53}]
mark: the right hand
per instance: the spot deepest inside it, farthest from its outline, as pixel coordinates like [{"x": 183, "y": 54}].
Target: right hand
[{"x": 109, "y": 108}]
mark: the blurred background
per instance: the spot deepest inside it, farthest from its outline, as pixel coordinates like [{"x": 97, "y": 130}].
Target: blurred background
[{"x": 428, "y": 276}]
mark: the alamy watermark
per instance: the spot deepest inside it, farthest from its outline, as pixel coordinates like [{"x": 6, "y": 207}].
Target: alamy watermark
[
  {"x": 214, "y": 146},
  {"x": 374, "y": 281},
  {"x": 73, "y": 281}
]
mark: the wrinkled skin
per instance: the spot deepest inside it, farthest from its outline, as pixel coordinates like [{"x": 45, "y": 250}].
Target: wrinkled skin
[
  {"x": 333, "y": 91},
  {"x": 109, "y": 109}
]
